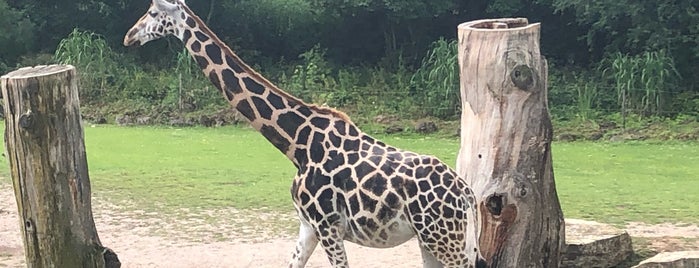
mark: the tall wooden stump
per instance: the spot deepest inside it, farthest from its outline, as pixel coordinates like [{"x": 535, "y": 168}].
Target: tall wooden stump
[
  {"x": 46, "y": 152},
  {"x": 506, "y": 143}
]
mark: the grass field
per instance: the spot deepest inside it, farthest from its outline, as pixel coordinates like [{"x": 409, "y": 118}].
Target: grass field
[{"x": 165, "y": 169}]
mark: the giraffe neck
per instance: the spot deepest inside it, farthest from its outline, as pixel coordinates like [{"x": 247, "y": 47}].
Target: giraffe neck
[{"x": 280, "y": 117}]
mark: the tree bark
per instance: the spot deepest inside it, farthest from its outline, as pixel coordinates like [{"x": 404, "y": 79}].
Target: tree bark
[
  {"x": 505, "y": 150},
  {"x": 45, "y": 148}
]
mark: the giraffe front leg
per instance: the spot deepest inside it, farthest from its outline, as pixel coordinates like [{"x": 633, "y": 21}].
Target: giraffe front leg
[
  {"x": 428, "y": 260},
  {"x": 332, "y": 240},
  {"x": 304, "y": 247}
]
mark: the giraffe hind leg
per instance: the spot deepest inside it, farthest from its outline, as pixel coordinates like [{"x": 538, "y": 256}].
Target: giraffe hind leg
[{"x": 304, "y": 247}]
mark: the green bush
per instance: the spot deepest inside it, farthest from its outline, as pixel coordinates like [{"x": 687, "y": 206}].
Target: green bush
[
  {"x": 37, "y": 59},
  {"x": 312, "y": 80},
  {"x": 348, "y": 91},
  {"x": 436, "y": 82},
  {"x": 368, "y": 90},
  {"x": 576, "y": 94},
  {"x": 4, "y": 68},
  {"x": 561, "y": 95},
  {"x": 97, "y": 64},
  {"x": 187, "y": 89},
  {"x": 391, "y": 93},
  {"x": 687, "y": 103},
  {"x": 107, "y": 76}
]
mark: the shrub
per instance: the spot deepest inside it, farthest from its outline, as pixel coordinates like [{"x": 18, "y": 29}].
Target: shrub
[
  {"x": 436, "y": 82},
  {"x": 96, "y": 62},
  {"x": 312, "y": 80},
  {"x": 186, "y": 87}
]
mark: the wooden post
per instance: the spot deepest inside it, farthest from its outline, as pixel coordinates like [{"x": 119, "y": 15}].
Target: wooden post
[
  {"x": 505, "y": 150},
  {"x": 45, "y": 148}
]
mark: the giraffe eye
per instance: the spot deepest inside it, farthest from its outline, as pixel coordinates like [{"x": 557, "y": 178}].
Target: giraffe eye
[{"x": 152, "y": 14}]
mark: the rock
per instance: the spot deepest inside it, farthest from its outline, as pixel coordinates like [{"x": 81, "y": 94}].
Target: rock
[
  {"x": 94, "y": 118},
  {"x": 617, "y": 138},
  {"x": 593, "y": 244},
  {"x": 692, "y": 135},
  {"x": 637, "y": 135},
  {"x": 238, "y": 117},
  {"x": 680, "y": 259},
  {"x": 425, "y": 127},
  {"x": 143, "y": 120},
  {"x": 180, "y": 122},
  {"x": 607, "y": 125},
  {"x": 100, "y": 120},
  {"x": 393, "y": 129},
  {"x": 595, "y": 136},
  {"x": 206, "y": 121},
  {"x": 226, "y": 116},
  {"x": 219, "y": 122},
  {"x": 566, "y": 137},
  {"x": 124, "y": 120},
  {"x": 385, "y": 119}
]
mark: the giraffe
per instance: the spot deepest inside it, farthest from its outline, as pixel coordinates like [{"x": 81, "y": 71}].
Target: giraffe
[{"x": 349, "y": 186}]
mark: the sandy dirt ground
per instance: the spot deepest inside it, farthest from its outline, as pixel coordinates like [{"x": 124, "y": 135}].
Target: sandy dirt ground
[
  {"x": 143, "y": 240},
  {"x": 139, "y": 241}
]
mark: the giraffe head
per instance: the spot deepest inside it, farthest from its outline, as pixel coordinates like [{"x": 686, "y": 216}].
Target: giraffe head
[{"x": 162, "y": 19}]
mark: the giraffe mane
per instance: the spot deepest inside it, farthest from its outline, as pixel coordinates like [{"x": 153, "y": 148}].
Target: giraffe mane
[{"x": 228, "y": 51}]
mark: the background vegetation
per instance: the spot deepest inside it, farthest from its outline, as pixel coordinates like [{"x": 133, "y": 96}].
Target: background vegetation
[{"x": 615, "y": 66}]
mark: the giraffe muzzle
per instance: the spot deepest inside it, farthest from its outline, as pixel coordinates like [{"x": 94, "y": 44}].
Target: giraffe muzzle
[
  {"x": 129, "y": 39},
  {"x": 135, "y": 43}
]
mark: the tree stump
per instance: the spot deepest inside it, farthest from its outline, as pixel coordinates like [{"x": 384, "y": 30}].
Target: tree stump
[
  {"x": 506, "y": 136},
  {"x": 45, "y": 148}
]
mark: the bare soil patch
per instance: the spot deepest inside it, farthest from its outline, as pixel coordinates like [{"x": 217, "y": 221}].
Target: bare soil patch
[
  {"x": 223, "y": 238},
  {"x": 236, "y": 238}
]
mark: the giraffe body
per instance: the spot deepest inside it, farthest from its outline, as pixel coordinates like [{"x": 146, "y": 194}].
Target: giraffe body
[
  {"x": 349, "y": 186},
  {"x": 382, "y": 200}
]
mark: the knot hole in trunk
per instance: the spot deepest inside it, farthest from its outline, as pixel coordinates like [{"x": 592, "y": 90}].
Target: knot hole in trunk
[
  {"x": 523, "y": 77},
  {"x": 494, "y": 204}
]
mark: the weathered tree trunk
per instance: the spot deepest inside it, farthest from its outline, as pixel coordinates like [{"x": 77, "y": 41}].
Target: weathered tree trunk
[
  {"x": 46, "y": 152},
  {"x": 505, "y": 150}
]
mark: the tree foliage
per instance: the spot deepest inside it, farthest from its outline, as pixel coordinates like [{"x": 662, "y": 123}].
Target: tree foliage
[
  {"x": 372, "y": 47},
  {"x": 638, "y": 26},
  {"x": 16, "y": 39},
  {"x": 277, "y": 28}
]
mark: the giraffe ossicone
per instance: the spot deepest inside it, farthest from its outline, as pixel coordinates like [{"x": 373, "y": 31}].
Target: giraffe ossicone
[{"x": 349, "y": 186}]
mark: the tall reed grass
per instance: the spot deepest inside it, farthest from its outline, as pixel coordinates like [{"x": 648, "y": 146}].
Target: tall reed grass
[
  {"x": 643, "y": 81},
  {"x": 437, "y": 80},
  {"x": 96, "y": 62}
]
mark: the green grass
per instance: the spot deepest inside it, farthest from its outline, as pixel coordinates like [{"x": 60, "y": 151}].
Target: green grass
[
  {"x": 165, "y": 169},
  {"x": 618, "y": 182},
  {"x": 189, "y": 167}
]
